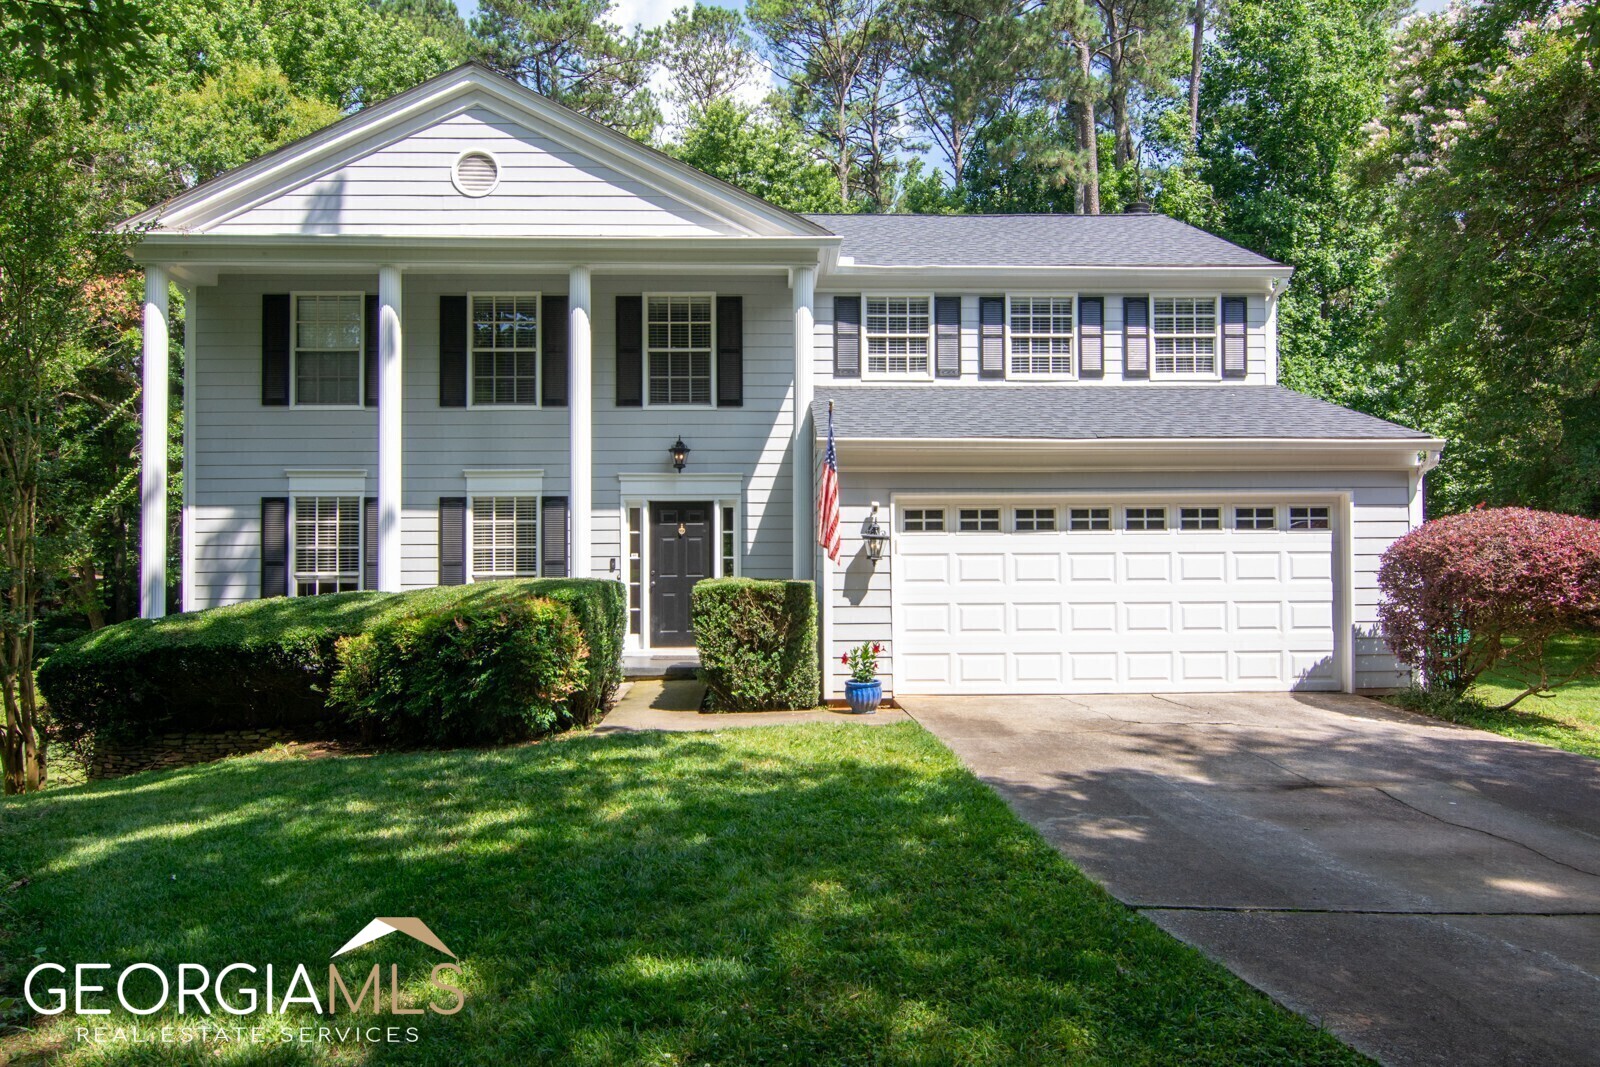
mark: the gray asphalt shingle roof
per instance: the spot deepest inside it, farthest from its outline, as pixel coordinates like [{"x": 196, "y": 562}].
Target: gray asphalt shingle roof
[
  {"x": 1149, "y": 240},
  {"x": 1069, "y": 413}
]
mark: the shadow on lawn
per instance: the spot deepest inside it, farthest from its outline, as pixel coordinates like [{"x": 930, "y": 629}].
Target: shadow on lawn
[{"x": 800, "y": 897}]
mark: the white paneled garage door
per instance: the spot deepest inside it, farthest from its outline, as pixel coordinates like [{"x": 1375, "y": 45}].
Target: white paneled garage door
[{"x": 1053, "y": 597}]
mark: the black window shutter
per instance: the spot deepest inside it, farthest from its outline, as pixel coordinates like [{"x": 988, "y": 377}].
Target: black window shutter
[
  {"x": 1136, "y": 337},
  {"x": 274, "y": 546},
  {"x": 452, "y": 540},
  {"x": 730, "y": 351},
  {"x": 275, "y": 327},
  {"x": 553, "y": 357},
  {"x": 630, "y": 351},
  {"x": 991, "y": 337},
  {"x": 369, "y": 543},
  {"x": 1233, "y": 342},
  {"x": 947, "y": 336},
  {"x": 452, "y": 351},
  {"x": 847, "y": 337},
  {"x": 553, "y": 536},
  {"x": 372, "y": 351},
  {"x": 1091, "y": 337}
]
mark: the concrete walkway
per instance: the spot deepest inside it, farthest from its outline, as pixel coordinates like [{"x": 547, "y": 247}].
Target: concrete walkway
[
  {"x": 1429, "y": 893},
  {"x": 674, "y": 704}
]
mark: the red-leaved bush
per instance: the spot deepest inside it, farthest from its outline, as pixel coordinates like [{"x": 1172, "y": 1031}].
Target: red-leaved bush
[{"x": 1490, "y": 587}]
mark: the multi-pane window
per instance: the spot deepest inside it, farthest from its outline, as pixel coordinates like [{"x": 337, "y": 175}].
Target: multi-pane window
[
  {"x": 1199, "y": 518},
  {"x": 727, "y": 542},
  {"x": 505, "y": 348},
  {"x": 1314, "y": 517},
  {"x": 1041, "y": 336},
  {"x": 1035, "y": 519},
  {"x": 678, "y": 347},
  {"x": 505, "y": 537},
  {"x": 327, "y": 544},
  {"x": 1145, "y": 518},
  {"x": 924, "y": 520},
  {"x": 327, "y": 348},
  {"x": 1185, "y": 329},
  {"x": 978, "y": 520},
  {"x": 1087, "y": 520},
  {"x": 897, "y": 336},
  {"x": 1255, "y": 518},
  {"x": 635, "y": 568}
]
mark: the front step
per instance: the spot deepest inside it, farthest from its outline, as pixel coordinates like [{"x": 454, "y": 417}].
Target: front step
[{"x": 661, "y": 663}]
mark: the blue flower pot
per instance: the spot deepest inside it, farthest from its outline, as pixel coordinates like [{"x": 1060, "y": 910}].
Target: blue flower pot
[{"x": 863, "y": 697}]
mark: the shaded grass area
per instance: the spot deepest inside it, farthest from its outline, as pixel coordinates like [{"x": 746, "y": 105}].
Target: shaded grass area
[
  {"x": 806, "y": 895},
  {"x": 1568, "y": 718}
]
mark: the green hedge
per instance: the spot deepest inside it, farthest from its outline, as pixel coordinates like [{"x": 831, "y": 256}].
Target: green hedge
[
  {"x": 270, "y": 662},
  {"x": 758, "y": 643},
  {"x": 491, "y": 669}
]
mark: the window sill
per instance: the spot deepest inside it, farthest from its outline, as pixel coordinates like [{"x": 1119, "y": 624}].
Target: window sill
[{"x": 297, "y": 406}]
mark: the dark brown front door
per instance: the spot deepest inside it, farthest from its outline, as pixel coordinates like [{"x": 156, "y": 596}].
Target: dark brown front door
[{"x": 680, "y": 555}]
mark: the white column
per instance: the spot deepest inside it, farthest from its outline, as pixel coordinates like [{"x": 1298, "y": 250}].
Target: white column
[
  {"x": 805, "y": 296},
  {"x": 191, "y": 346},
  {"x": 153, "y": 459},
  {"x": 391, "y": 442},
  {"x": 580, "y": 414}
]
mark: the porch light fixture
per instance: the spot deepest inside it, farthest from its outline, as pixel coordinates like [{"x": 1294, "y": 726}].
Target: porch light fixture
[
  {"x": 873, "y": 535},
  {"x": 680, "y": 454}
]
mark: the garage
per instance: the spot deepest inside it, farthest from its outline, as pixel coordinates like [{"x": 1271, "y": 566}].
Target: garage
[{"x": 1142, "y": 594}]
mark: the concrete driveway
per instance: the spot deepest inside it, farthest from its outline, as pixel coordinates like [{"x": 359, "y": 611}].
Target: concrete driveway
[{"x": 1429, "y": 893}]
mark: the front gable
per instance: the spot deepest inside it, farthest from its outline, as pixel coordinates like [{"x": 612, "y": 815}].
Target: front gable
[{"x": 391, "y": 171}]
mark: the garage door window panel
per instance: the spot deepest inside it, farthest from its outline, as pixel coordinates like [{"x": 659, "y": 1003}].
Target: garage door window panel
[
  {"x": 1200, "y": 518},
  {"x": 1145, "y": 519},
  {"x": 923, "y": 520},
  {"x": 898, "y": 331},
  {"x": 1255, "y": 518},
  {"x": 1314, "y": 517},
  {"x": 1035, "y": 520},
  {"x": 1088, "y": 520},
  {"x": 979, "y": 520}
]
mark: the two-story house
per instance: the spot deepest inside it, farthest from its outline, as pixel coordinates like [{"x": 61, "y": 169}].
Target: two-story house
[{"x": 467, "y": 333}]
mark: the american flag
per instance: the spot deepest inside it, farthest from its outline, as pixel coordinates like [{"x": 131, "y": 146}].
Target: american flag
[{"x": 828, "y": 497}]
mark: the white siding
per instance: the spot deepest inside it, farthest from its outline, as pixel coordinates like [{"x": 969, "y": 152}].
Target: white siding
[
  {"x": 404, "y": 187},
  {"x": 860, "y": 600},
  {"x": 1257, "y": 371}
]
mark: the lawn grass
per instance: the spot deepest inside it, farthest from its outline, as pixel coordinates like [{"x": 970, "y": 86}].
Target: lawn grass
[
  {"x": 829, "y": 894},
  {"x": 1568, "y": 718}
]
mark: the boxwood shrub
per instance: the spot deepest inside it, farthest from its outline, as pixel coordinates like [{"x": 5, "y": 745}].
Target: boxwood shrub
[
  {"x": 491, "y": 668},
  {"x": 758, "y": 643},
  {"x": 270, "y": 663}
]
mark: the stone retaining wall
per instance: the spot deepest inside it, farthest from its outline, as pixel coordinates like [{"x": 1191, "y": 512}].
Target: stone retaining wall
[{"x": 183, "y": 749}]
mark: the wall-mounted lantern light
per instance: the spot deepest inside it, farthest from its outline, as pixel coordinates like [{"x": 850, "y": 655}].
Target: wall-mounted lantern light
[
  {"x": 873, "y": 535},
  {"x": 680, "y": 454}
]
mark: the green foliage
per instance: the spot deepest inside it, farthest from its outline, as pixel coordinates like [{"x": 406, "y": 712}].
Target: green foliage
[
  {"x": 271, "y": 662},
  {"x": 758, "y": 643},
  {"x": 80, "y": 50},
  {"x": 707, "y": 54},
  {"x": 761, "y": 154},
  {"x": 1492, "y": 151},
  {"x": 488, "y": 670}
]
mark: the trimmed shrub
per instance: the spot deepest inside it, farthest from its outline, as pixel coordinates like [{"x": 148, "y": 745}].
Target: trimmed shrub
[
  {"x": 490, "y": 669},
  {"x": 758, "y": 643},
  {"x": 1489, "y": 588},
  {"x": 269, "y": 663}
]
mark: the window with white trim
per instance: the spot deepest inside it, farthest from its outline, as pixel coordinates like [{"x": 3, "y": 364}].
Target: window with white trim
[
  {"x": 978, "y": 520},
  {"x": 635, "y": 568},
  {"x": 728, "y": 543},
  {"x": 1255, "y": 518},
  {"x": 1035, "y": 520},
  {"x": 505, "y": 348},
  {"x": 679, "y": 338},
  {"x": 897, "y": 332},
  {"x": 328, "y": 341},
  {"x": 327, "y": 544},
  {"x": 1088, "y": 520},
  {"x": 1185, "y": 332},
  {"x": 1311, "y": 517},
  {"x": 505, "y": 537},
  {"x": 1144, "y": 518},
  {"x": 1040, "y": 336},
  {"x": 923, "y": 520},
  {"x": 1199, "y": 518}
]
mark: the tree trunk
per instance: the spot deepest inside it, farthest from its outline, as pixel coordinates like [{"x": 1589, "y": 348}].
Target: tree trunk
[
  {"x": 1086, "y": 132},
  {"x": 1195, "y": 54},
  {"x": 844, "y": 149}
]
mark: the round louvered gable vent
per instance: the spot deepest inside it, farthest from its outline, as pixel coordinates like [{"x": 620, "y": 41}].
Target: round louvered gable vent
[{"x": 476, "y": 174}]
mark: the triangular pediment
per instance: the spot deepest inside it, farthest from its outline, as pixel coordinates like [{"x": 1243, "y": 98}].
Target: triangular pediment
[{"x": 534, "y": 169}]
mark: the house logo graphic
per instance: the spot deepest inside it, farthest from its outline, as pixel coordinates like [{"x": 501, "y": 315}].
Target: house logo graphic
[{"x": 386, "y": 925}]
